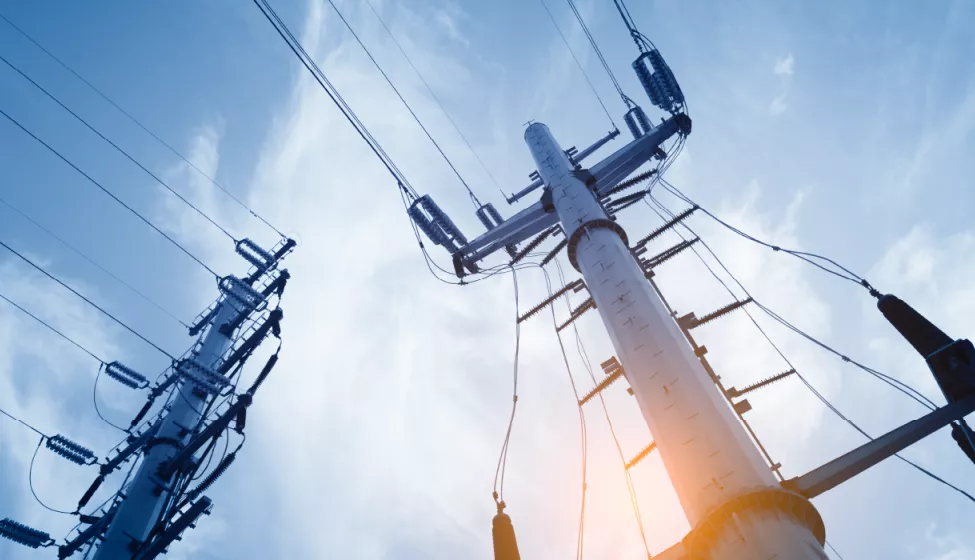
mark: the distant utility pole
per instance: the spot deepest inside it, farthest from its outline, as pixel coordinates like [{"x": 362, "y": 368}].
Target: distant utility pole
[{"x": 147, "y": 494}]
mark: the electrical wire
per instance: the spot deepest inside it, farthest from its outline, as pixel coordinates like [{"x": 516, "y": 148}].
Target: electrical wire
[
  {"x": 595, "y": 47},
  {"x": 584, "y": 356},
  {"x": 579, "y": 64},
  {"x": 88, "y": 301},
  {"x": 630, "y": 25},
  {"x": 503, "y": 458},
  {"x": 94, "y": 401},
  {"x": 54, "y": 330},
  {"x": 837, "y": 554},
  {"x": 434, "y": 96},
  {"x": 92, "y": 262},
  {"x": 582, "y": 420},
  {"x": 801, "y": 377},
  {"x": 843, "y": 272},
  {"x": 15, "y": 419},
  {"x": 138, "y": 123},
  {"x": 306, "y": 60},
  {"x": 106, "y": 191},
  {"x": 30, "y": 481},
  {"x": 117, "y": 148},
  {"x": 477, "y": 203}
]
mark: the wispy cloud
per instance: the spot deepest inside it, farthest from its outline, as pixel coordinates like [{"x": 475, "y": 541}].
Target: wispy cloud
[{"x": 784, "y": 66}]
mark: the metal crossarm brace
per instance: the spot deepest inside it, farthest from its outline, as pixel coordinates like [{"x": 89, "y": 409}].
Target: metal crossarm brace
[
  {"x": 660, "y": 230},
  {"x": 136, "y": 443},
  {"x": 572, "y": 286},
  {"x": 95, "y": 529},
  {"x": 847, "y": 466},
  {"x": 641, "y": 455},
  {"x": 273, "y": 322},
  {"x": 213, "y": 429},
  {"x": 735, "y": 393},
  {"x": 577, "y": 312},
  {"x": 171, "y": 533}
]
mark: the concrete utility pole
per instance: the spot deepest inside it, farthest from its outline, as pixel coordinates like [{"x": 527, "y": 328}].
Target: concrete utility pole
[
  {"x": 732, "y": 500},
  {"x": 146, "y": 494}
]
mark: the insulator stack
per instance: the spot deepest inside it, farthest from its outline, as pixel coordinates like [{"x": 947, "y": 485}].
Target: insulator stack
[
  {"x": 533, "y": 244},
  {"x": 22, "y": 534},
  {"x": 668, "y": 254},
  {"x": 126, "y": 375},
  {"x": 735, "y": 393},
  {"x": 660, "y": 230},
  {"x": 963, "y": 436},
  {"x": 575, "y": 286},
  {"x": 614, "y": 374},
  {"x": 436, "y": 224},
  {"x": 205, "y": 378},
  {"x": 631, "y": 182},
  {"x": 625, "y": 201},
  {"x": 641, "y": 455},
  {"x": 254, "y": 254},
  {"x": 244, "y": 297},
  {"x": 555, "y": 252},
  {"x": 689, "y": 321},
  {"x": 577, "y": 312},
  {"x": 71, "y": 450},
  {"x": 212, "y": 477},
  {"x": 658, "y": 81},
  {"x": 637, "y": 121}
]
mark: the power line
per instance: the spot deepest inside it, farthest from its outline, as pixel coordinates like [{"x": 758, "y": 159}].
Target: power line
[
  {"x": 30, "y": 481},
  {"x": 470, "y": 192},
  {"x": 503, "y": 458},
  {"x": 434, "y": 96},
  {"x": 92, "y": 262},
  {"x": 88, "y": 301},
  {"x": 592, "y": 41},
  {"x": 54, "y": 330},
  {"x": 333, "y": 93},
  {"x": 106, "y": 191},
  {"x": 15, "y": 419},
  {"x": 138, "y": 123},
  {"x": 578, "y": 63},
  {"x": 117, "y": 148},
  {"x": 801, "y": 377}
]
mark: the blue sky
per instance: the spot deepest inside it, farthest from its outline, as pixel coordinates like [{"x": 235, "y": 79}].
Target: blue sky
[{"x": 833, "y": 128}]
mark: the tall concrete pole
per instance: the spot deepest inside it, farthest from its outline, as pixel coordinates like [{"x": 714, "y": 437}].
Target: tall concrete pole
[
  {"x": 146, "y": 494},
  {"x": 731, "y": 498}
]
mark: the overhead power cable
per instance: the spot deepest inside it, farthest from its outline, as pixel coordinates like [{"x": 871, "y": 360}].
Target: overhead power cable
[
  {"x": 595, "y": 47},
  {"x": 434, "y": 96},
  {"x": 801, "y": 377},
  {"x": 309, "y": 63},
  {"x": 117, "y": 148},
  {"x": 51, "y": 328},
  {"x": 92, "y": 262},
  {"x": 106, "y": 191},
  {"x": 503, "y": 458},
  {"x": 88, "y": 301},
  {"x": 477, "y": 203},
  {"x": 15, "y": 419},
  {"x": 579, "y": 64},
  {"x": 842, "y": 271},
  {"x": 138, "y": 123}
]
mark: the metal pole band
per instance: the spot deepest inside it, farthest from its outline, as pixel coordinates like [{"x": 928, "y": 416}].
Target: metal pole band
[
  {"x": 586, "y": 228},
  {"x": 795, "y": 506}
]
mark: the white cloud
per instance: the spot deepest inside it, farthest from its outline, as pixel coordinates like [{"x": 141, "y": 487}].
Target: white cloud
[
  {"x": 784, "y": 66},
  {"x": 778, "y": 105}
]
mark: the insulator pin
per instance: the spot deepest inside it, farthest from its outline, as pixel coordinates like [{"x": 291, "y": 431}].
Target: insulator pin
[
  {"x": 126, "y": 375},
  {"x": 244, "y": 298},
  {"x": 71, "y": 450}
]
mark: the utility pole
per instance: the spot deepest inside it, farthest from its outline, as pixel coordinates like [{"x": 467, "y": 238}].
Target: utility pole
[
  {"x": 146, "y": 495},
  {"x": 713, "y": 465}
]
